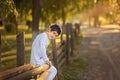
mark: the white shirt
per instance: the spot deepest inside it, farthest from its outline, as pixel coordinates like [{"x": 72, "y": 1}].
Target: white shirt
[{"x": 38, "y": 52}]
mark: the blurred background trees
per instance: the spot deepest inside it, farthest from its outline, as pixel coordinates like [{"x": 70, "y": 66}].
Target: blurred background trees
[
  {"x": 33, "y": 16},
  {"x": 8, "y": 14},
  {"x": 35, "y": 12}
]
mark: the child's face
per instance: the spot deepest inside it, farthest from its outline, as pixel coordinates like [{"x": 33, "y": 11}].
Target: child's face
[{"x": 53, "y": 34}]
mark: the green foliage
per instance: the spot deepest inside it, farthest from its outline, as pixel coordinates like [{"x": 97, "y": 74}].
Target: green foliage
[
  {"x": 8, "y": 15},
  {"x": 23, "y": 7},
  {"x": 62, "y": 9},
  {"x": 6, "y": 7}
]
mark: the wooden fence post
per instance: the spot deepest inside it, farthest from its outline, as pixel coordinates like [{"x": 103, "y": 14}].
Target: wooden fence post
[
  {"x": 67, "y": 42},
  {"x": 20, "y": 49},
  {"x": 54, "y": 52},
  {"x": 0, "y": 52},
  {"x": 71, "y": 40}
]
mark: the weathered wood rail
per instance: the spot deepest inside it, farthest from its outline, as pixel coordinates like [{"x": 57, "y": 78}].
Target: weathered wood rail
[
  {"x": 24, "y": 72},
  {"x": 60, "y": 55},
  {"x": 0, "y": 51}
]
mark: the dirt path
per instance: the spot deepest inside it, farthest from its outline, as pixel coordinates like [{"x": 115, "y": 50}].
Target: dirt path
[{"x": 100, "y": 49}]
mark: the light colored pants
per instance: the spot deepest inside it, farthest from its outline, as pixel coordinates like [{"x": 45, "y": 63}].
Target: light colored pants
[{"x": 53, "y": 72}]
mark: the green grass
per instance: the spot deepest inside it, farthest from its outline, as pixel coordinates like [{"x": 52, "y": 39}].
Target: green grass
[
  {"x": 73, "y": 70},
  {"x": 8, "y": 48}
]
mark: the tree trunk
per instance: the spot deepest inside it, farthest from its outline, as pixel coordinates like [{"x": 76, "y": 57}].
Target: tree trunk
[
  {"x": 35, "y": 17},
  {"x": 96, "y": 21},
  {"x": 63, "y": 24}
]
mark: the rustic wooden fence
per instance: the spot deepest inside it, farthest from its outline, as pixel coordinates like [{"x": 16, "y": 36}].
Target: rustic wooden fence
[
  {"x": 60, "y": 53},
  {"x": 24, "y": 72},
  {"x": 0, "y": 51}
]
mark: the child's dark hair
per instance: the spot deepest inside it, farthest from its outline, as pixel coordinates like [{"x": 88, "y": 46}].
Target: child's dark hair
[{"x": 55, "y": 27}]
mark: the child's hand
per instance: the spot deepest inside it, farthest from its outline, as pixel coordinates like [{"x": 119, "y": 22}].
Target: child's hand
[{"x": 49, "y": 63}]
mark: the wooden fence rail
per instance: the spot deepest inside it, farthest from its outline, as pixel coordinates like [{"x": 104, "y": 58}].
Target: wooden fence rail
[
  {"x": 61, "y": 55},
  {"x": 24, "y": 72},
  {"x": 0, "y": 51}
]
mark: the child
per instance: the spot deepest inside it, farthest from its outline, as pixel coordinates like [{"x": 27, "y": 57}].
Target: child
[{"x": 38, "y": 52}]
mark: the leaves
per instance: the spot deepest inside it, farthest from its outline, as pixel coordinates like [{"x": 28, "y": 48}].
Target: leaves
[{"x": 6, "y": 7}]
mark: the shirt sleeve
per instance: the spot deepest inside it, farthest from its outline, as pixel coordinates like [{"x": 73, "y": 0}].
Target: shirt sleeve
[
  {"x": 43, "y": 50},
  {"x": 38, "y": 52}
]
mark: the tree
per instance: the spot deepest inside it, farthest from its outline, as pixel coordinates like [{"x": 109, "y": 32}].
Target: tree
[
  {"x": 35, "y": 16},
  {"x": 8, "y": 15}
]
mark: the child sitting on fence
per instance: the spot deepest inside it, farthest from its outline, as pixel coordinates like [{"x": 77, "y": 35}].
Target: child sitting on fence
[{"x": 38, "y": 52}]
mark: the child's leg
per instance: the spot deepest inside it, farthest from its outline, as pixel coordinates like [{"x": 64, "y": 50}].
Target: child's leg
[{"x": 52, "y": 73}]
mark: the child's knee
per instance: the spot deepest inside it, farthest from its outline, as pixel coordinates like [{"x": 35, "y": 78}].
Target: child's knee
[
  {"x": 55, "y": 70},
  {"x": 52, "y": 69}
]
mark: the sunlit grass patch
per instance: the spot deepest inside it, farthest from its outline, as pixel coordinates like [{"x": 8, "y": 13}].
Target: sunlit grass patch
[
  {"x": 9, "y": 45},
  {"x": 111, "y": 26},
  {"x": 13, "y": 37},
  {"x": 28, "y": 35},
  {"x": 58, "y": 38},
  {"x": 1, "y": 27},
  {"x": 22, "y": 27},
  {"x": 8, "y": 65},
  {"x": 73, "y": 71},
  {"x": 8, "y": 53}
]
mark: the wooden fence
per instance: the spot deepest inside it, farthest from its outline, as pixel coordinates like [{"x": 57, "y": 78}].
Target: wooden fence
[
  {"x": 0, "y": 51},
  {"x": 24, "y": 72},
  {"x": 61, "y": 54}
]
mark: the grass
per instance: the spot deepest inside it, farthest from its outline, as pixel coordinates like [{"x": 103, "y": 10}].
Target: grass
[
  {"x": 73, "y": 70},
  {"x": 8, "y": 47}
]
